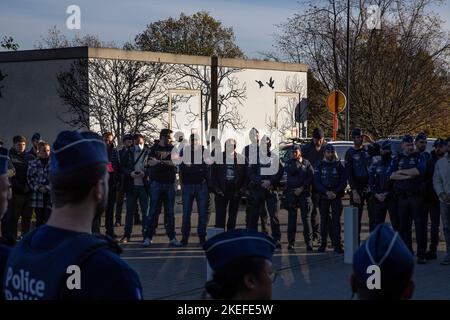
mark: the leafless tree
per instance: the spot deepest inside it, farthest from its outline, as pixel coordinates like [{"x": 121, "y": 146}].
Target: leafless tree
[
  {"x": 115, "y": 95},
  {"x": 231, "y": 94},
  {"x": 399, "y": 74}
]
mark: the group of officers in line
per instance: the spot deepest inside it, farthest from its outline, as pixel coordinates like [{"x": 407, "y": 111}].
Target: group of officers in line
[
  {"x": 316, "y": 181},
  {"x": 241, "y": 259}
]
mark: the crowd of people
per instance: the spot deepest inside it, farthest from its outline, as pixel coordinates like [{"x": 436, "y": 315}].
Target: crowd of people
[
  {"x": 406, "y": 186},
  {"x": 78, "y": 174}
]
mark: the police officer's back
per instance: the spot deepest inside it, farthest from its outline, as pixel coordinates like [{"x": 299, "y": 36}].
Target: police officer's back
[
  {"x": 37, "y": 266},
  {"x": 386, "y": 259}
]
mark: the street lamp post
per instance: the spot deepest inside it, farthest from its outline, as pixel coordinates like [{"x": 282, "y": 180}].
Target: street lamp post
[{"x": 347, "y": 93}]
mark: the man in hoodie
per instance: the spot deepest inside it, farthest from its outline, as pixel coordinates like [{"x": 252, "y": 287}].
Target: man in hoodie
[
  {"x": 264, "y": 178},
  {"x": 330, "y": 180},
  {"x": 441, "y": 184},
  {"x": 19, "y": 206}
]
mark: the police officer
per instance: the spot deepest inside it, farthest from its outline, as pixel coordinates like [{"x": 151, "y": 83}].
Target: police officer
[
  {"x": 264, "y": 178},
  {"x": 314, "y": 152},
  {"x": 357, "y": 161},
  {"x": 381, "y": 194},
  {"x": 4, "y": 188},
  {"x": 432, "y": 199},
  {"x": 330, "y": 180},
  {"x": 299, "y": 181},
  {"x": 383, "y": 249},
  {"x": 37, "y": 267},
  {"x": 407, "y": 172},
  {"x": 242, "y": 265}
]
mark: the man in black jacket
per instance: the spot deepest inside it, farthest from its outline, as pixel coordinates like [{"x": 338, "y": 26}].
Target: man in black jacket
[
  {"x": 264, "y": 178},
  {"x": 432, "y": 199},
  {"x": 194, "y": 179},
  {"x": 251, "y": 153},
  {"x": 228, "y": 179},
  {"x": 113, "y": 171},
  {"x": 19, "y": 206},
  {"x": 314, "y": 153},
  {"x": 127, "y": 142}
]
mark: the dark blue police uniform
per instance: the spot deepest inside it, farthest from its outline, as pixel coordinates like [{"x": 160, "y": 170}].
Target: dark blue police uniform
[
  {"x": 299, "y": 175},
  {"x": 379, "y": 183},
  {"x": 357, "y": 162},
  {"x": 409, "y": 198},
  {"x": 330, "y": 176}
]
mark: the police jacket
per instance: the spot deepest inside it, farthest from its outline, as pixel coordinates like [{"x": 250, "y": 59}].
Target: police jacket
[
  {"x": 356, "y": 165},
  {"x": 404, "y": 162},
  {"x": 299, "y": 174},
  {"x": 330, "y": 176},
  {"x": 379, "y": 181}
]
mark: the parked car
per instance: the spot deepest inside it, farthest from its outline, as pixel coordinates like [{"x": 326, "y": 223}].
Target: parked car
[{"x": 396, "y": 144}]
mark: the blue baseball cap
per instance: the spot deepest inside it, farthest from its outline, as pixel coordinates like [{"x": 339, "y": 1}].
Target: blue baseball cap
[
  {"x": 356, "y": 132},
  {"x": 296, "y": 147},
  {"x": 386, "y": 145},
  {"x": 407, "y": 138},
  {"x": 385, "y": 249},
  {"x": 3, "y": 161},
  {"x": 36, "y": 136},
  {"x": 74, "y": 150},
  {"x": 329, "y": 147},
  {"x": 438, "y": 143},
  {"x": 421, "y": 136},
  {"x": 235, "y": 244}
]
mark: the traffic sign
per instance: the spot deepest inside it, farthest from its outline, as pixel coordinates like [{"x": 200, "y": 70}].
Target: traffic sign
[{"x": 336, "y": 98}]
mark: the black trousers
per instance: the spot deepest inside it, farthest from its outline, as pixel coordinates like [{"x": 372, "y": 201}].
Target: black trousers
[
  {"x": 18, "y": 207},
  {"x": 259, "y": 198},
  {"x": 315, "y": 222},
  {"x": 411, "y": 208},
  {"x": 230, "y": 201},
  {"x": 378, "y": 210},
  {"x": 364, "y": 196},
  {"x": 330, "y": 224},
  {"x": 433, "y": 214},
  {"x": 109, "y": 211},
  {"x": 304, "y": 203},
  {"x": 262, "y": 216}
]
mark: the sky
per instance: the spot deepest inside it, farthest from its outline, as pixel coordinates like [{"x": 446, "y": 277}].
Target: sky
[{"x": 253, "y": 21}]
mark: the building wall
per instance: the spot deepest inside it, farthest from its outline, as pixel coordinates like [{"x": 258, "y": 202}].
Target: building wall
[{"x": 30, "y": 101}]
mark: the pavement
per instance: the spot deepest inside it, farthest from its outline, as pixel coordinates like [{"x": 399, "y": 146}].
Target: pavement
[{"x": 180, "y": 273}]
